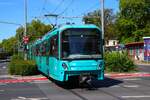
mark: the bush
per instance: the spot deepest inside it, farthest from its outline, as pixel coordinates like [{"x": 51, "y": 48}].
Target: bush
[
  {"x": 119, "y": 62},
  {"x": 18, "y": 66}
]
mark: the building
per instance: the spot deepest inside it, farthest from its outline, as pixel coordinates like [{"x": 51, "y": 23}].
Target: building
[
  {"x": 135, "y": 50},
  {"x": 111, "y": 45}
]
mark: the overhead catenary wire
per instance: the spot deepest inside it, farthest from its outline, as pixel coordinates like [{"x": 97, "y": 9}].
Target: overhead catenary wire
[
  {"x": 67, "y": 7},
  {"x": 43, "y": 7},
  {"x": 11, "y": 23},
  {"x": 59, "y": 16},
  {"x": 68, "y": 17},
  {"x": 87, "y": 10},
  {"x": 61, "y": 2}
]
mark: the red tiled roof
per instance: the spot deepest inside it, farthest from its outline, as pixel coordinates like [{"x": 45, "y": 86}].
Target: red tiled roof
[{"x": 134, "y": 44}]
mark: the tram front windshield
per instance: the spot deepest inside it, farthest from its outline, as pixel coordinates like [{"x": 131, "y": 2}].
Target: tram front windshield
[{"x": 81, "y": 43}]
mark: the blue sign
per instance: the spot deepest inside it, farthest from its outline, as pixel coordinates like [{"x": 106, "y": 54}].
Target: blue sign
[{"x": 147, "y": 48}]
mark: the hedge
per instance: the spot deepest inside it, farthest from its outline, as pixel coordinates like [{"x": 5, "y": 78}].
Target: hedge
[
  {"x": 18, "y": 66},
  {"x": 118, "y": 62}
]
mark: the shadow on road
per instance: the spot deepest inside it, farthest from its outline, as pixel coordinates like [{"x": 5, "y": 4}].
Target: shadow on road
[
  {"x": 107, "y": 82},
  {"x": 95, "y": 84}
]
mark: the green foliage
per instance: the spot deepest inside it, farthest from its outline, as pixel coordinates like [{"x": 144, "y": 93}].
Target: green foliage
[
  {"x": 94, "y": 18},
  {"x": 133, "y": 20},
  {"x": 118, "y": 62},
  {"x": 18, "y": 66},
  {"x": 9, "y": 45},
  {"x": 35, "y": 30}
]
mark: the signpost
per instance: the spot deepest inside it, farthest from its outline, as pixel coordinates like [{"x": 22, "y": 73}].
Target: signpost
[{"x": 25, "y": 39}]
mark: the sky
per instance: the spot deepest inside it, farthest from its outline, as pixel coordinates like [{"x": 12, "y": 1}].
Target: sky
[{"x": 12, "y": 11}]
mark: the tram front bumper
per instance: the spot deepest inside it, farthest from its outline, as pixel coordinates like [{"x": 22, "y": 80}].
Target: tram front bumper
[{"x": 98, "y": 74}]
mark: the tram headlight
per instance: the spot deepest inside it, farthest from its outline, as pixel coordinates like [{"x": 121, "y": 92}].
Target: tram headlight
[
  {"x": 64, "y": 66},
  {"x": 100, "y": 65}
]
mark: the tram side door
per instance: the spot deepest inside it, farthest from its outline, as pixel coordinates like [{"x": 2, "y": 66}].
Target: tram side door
[{"x": 53, "y": 59}]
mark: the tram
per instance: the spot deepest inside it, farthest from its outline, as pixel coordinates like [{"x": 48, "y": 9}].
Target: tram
[{"x": 70, "y": 51}]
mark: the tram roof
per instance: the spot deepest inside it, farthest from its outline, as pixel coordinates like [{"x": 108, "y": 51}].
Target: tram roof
[
  {"x": 62, "y": 28},
  {"x": 77, "y": 26}
]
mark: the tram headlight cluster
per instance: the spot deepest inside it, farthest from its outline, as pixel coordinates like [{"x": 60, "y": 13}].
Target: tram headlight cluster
[
  {"x": 100, "y": 65},
  {"x": 64, "y": 66}
]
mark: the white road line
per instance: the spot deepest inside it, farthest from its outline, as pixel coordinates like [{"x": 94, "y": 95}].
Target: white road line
[
  {"x": 24, "y": 98},
  {"x": 135, "y": 86},
  {"x": 115, "y": 86},
  {"x": 4, "y": 67},
  {"x": 132, "y": 79},
  {"x": 1, "y": 90},
  {"x": 41, "y": 82},
  {"x": 140, "y": 96}
]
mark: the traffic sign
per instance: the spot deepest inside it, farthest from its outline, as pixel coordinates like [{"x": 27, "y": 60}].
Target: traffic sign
[{"x": 25, "y": 39}]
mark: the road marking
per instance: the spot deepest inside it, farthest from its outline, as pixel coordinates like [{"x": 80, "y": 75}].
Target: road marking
[
  {"x": 1, "y": 90},
  {"x": 24, "y": 98},
  {"x": 115, "y": 86},
  {"x": 41, "y": 81},
  {"x": 132, "y": 79},
  {"x": 135, "y": 86},
  {"x": 141, "y": 96},
  {"x": 4, "y": 67}
]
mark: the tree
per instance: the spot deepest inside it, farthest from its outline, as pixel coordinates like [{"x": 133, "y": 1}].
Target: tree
[
  {"x": 9, "y": 45},
  {"x": 95, "y": 18},
  {"x": 35, "y": 30},
  {"x": 133, "y": 21},
  {"x": 1, "y": 45}
]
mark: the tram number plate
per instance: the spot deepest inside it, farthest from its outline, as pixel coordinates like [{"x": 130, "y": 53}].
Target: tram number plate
[{"x": 85, "y": 74}]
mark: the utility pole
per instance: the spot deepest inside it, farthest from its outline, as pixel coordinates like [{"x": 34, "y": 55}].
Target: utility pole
[
  {"x": 25, "y": 30},
  {"x": 102, "y": 22}
]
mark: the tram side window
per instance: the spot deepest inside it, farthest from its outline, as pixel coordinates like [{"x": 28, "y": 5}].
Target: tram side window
[
  {"x": 41, "y": 49},
  {"x": 54, "y": 46},
  {"x": 37, "y": 50},
  {"x": 32, "y": 52},
  {"x": 44, "y": 48},
  {"x": 47, "y": 46}
]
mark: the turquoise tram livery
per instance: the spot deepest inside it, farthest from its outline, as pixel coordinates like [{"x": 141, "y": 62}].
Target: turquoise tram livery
[{"x": 70, "y": 50}]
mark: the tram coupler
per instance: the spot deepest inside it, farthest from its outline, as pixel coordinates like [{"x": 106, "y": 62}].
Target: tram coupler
[{"x": 86, "y": 81}]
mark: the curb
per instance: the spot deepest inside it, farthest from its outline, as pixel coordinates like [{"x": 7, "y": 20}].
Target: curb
[
  {"x": 20, "y": 79},
  {"x": 127, "y": 75}
]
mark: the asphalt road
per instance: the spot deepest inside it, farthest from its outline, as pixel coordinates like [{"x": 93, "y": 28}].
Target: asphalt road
[
  {"x": 144, "y": 68},
  {"x": 109, "y": 89},
  {"x": 3, "y": 68}
]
